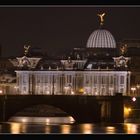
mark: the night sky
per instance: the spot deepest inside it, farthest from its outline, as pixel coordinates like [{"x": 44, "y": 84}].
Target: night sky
[{"x": 59, "y": 29}]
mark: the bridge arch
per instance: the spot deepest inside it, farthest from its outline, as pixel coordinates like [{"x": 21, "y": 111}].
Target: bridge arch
[
  {"x": 81, "y": 108},
  {"x": 42, "y": 113}
]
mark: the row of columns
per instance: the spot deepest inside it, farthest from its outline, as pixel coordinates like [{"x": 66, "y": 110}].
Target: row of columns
[{"x": 93, "y": 83}]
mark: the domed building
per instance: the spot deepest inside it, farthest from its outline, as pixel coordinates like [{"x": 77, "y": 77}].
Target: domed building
[
  {"x": 101, "y": 38},
  {"x": 95, "y": 70}
]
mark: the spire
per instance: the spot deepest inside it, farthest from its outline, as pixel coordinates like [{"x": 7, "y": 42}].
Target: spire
[{"x": 101, "y": 16}]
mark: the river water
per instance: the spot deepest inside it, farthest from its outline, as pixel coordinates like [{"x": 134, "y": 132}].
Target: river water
[{"x": 64, "y": 126}]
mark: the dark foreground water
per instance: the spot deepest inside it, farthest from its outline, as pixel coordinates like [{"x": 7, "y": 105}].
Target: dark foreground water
[{"x": 47, "y": 127}]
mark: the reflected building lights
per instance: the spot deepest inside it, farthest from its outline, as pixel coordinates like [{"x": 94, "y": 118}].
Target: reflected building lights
[
  {"x": 86, "y": 128},
  {"x": 110, "y": 129},
  {"x": 15, "y": 128},
  {"x": 127, "y": 111},
  {"x": 131, "y": 128},
  {"x": 65, "y": 129}
]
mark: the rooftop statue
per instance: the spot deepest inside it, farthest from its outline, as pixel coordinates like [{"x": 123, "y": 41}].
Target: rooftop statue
[
  {"x": 101, "y": 18},
  {"x": 26, "y": 49}
]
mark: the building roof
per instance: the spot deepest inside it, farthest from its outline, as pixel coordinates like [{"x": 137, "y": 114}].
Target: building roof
[{"x": 101, "y": 38}]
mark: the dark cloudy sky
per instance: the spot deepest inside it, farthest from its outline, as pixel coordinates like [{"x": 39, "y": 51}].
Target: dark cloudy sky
[{"x": 59, "y": 29}]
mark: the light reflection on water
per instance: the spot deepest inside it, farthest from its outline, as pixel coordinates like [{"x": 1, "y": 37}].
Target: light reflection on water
[
  {"x": 86, "y": 128},
  {"x": 110, "y": 130},
  {"x": 65, "y": 129},
  {"x": 15, "y": 128},
  {"x": 131, "y": 128},
  {"x": 68, "y": 128}
]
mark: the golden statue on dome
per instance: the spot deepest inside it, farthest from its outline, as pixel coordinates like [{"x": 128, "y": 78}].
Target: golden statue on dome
[
  {"x": 101, "y": 18},
  {"x": 26, "y": 49},
  {"x": 123, "y": 49}
]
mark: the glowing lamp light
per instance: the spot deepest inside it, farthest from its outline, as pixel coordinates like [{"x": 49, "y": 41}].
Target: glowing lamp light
[
  {"x": 133, "y": 89},
  {"x": 81, "y": 90},
  {"x": 0, "y": 91},
  {"x": 72, "y": 93},
  {"x": 48, "y": 92},
  {"x": 127, "y": 111},
  {"x": 134, "y": 99}
]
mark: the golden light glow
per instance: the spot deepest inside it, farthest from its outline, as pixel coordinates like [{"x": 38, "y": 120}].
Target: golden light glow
[
  {"x": 0, "y": 91},
  {"x": 131, "y": 128},
  {"x": 24, "y": 120},
  {"x": 133, "y": 88},
  {"x": 87, "y": 128},
  {"x": 65, "y": 129},
  {"x": 72, "y": 93},
  {"x": 101, "y": 18},
  {"x": 15, "y": 128},
  {"x": 110, "y": 129},
  {"x": 127, "y": 111},
  {"x": 81, "y": 90},
  {"x": 47, "y": 121}
]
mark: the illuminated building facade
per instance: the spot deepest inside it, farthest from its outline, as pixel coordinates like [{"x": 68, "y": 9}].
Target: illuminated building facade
[{"x": 94, "y": 70}]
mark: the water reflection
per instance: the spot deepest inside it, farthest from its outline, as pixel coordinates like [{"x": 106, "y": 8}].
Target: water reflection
[
  {"x": 15, "y": 128},
  {"x": 26, "y": 126},
  {"x": 86, "y": 128},
  {"x": 65, "y": 129},
  {"x": 110, "y": 130},
  {"x": 131, "y": 128}
]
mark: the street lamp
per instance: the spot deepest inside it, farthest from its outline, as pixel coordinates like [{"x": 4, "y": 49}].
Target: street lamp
[{"x": 133, "y": 89}]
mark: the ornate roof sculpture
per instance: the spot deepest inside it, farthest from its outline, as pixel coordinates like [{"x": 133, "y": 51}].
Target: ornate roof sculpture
[
  {"x": 122, "y": 61},
  {"x": 24, "y": 61}
]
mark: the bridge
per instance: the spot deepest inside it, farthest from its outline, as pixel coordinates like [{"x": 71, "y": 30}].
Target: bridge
[{"x": 82, "y": 108}]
